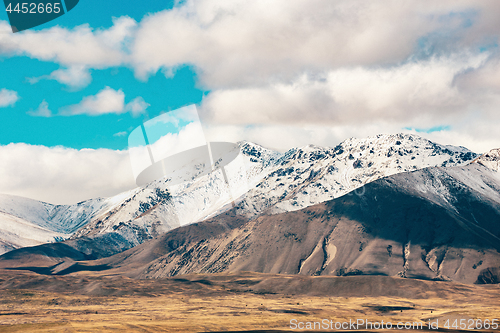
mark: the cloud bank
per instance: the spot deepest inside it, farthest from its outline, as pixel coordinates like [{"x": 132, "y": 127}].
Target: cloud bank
[{"x": 62, "y": 175}]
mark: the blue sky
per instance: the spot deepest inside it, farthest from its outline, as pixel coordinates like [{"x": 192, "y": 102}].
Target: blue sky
[{"x": 83, "y": 131}]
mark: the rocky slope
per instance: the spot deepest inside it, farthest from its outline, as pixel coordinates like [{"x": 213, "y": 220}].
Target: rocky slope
[{"x": 490, "y": 159}]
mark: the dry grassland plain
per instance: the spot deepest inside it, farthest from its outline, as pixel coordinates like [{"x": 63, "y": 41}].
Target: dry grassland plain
[{"x": 239, "y": 302}]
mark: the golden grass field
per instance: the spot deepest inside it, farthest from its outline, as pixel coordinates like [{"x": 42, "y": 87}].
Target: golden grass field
[{"x": 228, "y": 302}]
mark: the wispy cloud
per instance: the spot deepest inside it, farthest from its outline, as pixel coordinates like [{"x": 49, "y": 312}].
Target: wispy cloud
[
  {"x": 8, "y": 98},
  {"x": 106, "y": 101},
  {"x": 120, "y": 134},
  {"x": 41, "y": 111},
  {"x": 75, "y": 77},
  {"x": 137, "y": 106}
]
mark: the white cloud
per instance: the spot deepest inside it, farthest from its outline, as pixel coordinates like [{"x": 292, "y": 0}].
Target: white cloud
[
  {"x": 62, "y": 175},
  {"x": 75, "y": 77},
  {"x": 65, "y": 176},
  {"x": 80, "y": 46},
  {"x": 105, "y": 101},
  {"x": 259, "y": 41},
  {"x": 136, "y": 106},
  {"x": 41, "y": 111},
  {"x": 416, "y": 92},
  {"x": 8, "y": 98},
  {"x": 459, "y": 91}
]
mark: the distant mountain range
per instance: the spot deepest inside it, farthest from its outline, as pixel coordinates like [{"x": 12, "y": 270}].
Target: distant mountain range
[
  {"x": 436, "y": 223},
  {"x": 27, "y": 222},
  {"x": 277, "y": 182},
  {"x": 439, "y": 223},
  {"x": 396, "y": 205}
]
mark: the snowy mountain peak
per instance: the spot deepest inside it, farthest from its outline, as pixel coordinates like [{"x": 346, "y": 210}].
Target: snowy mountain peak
[
  {"x": 309, "y": 175},
  {"x": 491, "y": 159},
  {"x": 251, "y": 148},
  {"x": 388, "y": 139},
  {"x": 399, "y": 139},
  {"x": 257, "y": 153}
]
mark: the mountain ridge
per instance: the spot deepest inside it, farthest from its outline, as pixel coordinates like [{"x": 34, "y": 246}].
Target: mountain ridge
[
  {"x": 277, "y": 182},
  {"x": 438, "y": 223}
]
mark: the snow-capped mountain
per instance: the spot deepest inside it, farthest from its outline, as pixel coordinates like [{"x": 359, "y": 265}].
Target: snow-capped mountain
[
  {"x": 260, "y": 180},
  {"x": 436, "y": 223},
  {"x": 133, "y": 216},
  {"x": 277, "y": 182},
  {"x": 158, "y": 207},
  {"x": 27, "y": 222},
  {"x": 16, "y": 232},
  {"x": 310, "y": 175},
  {"x": 64, "y": 219}
]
